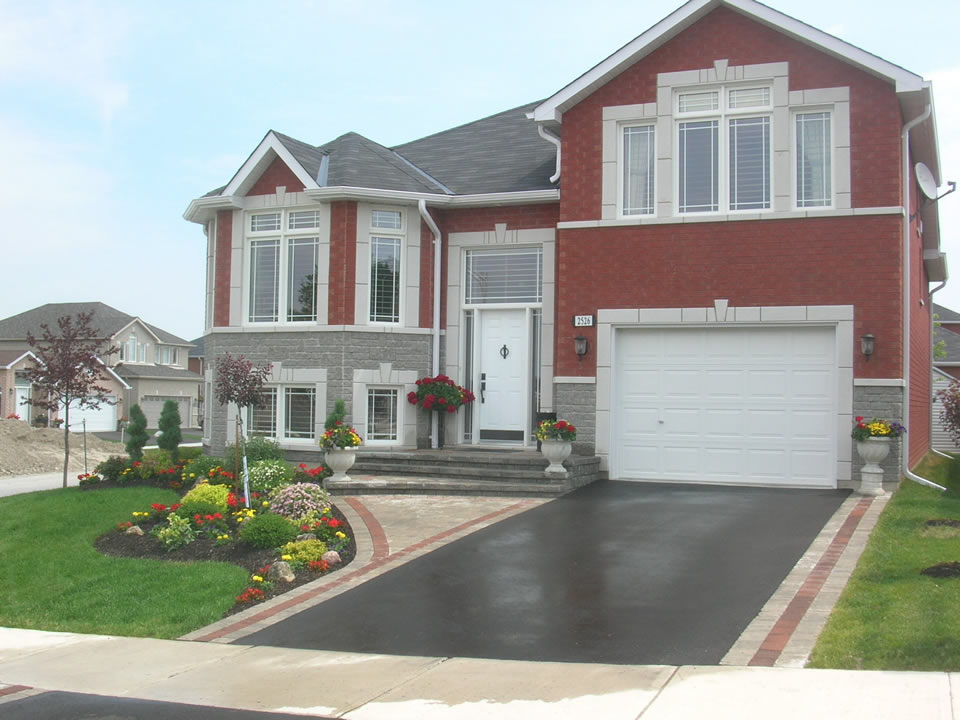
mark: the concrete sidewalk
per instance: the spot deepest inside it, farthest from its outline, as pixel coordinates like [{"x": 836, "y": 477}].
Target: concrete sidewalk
[{"x": 375, "y": 687}]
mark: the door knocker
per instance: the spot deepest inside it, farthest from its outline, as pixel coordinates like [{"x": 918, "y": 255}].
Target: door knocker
[{"x": 504, "y": 351}]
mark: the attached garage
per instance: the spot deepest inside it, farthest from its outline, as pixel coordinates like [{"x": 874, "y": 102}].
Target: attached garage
[
  {"x": 732, "y": 405},
  {"x": 152, "y": 406},
  {"x": 101, "y": 419}
]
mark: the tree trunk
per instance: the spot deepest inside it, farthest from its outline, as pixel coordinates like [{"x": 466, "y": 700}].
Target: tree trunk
[{"x": 66, "y": 442}]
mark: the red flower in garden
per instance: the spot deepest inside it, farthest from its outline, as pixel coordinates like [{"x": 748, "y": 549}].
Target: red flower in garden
[{"x": 451, "y": 408}]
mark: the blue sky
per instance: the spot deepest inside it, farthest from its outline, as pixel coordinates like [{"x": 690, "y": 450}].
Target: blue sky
[{"x": 114, "y": 115}]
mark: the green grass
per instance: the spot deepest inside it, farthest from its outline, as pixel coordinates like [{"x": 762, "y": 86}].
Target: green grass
[
  {"x": 52, "y": 577},
  {"x": 890, "y": 617}
]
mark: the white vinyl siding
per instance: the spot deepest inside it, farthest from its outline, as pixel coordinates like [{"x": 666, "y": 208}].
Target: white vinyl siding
[
  {"x": 814, "y": 166},
  {"x": 639, "y": 159},
  {"x": 504, "y": 276}
]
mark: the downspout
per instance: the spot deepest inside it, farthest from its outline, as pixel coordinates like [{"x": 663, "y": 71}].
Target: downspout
[
  {"x": 937, "y": 289},
  {"x": 437, "y": 247},
  {"x": 907, "y": 307},
  {"x": 556, "y": 141}
]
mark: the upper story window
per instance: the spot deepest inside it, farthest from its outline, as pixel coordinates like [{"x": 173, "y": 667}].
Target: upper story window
[
  {"x": 168, "y": 355},
  {"x": 283, "y": 266},
  {"x": 133, "y": 351},
  {"x": 504, "y": 276},
  {"x": 723, "y": 149},
  {"x": 639, "y": 159},
  {"x": 814, "y": 179},
  {"x": 386, "y": 252}
]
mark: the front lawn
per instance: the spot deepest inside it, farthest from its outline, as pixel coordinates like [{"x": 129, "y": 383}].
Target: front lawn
[
  {"x": 890, "y": 616},
  {"x": 54, "y": 579}
]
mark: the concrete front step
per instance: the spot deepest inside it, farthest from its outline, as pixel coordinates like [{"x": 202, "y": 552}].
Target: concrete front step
[{"x": 410, "y": 485}]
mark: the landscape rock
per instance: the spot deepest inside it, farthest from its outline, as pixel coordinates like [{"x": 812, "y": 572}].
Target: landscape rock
[
  {"x": 331, "y": 557},
  {"x": 306, "y": 536},
  {"x": 280, "y": 572},
  {"x": 133, "y": 530}
]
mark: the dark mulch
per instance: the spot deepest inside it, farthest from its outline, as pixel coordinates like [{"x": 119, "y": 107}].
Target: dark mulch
[
  {"x": 943, "y": 523},
  {"x": 943, "y": 570},
  {"x": 120, "y": 544}
]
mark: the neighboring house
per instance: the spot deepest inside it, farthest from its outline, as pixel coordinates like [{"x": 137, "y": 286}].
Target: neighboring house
[
  {"x": 679, "y": 252},
  {"x": 149, "y": 367},
  {"x": 15, "y": 389},
  {"x": 946, "y": 369}
]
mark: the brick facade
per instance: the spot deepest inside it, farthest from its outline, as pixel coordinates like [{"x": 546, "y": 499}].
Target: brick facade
[
  {"x": 222, "y": 259},
  {"x": 277, "y": 175}
]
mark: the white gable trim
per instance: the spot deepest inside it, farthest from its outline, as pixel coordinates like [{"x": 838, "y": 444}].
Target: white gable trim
[
  {"x": 551, "y": 110},
  {"x": 140, "y": 323},
  {"x": 10, "y": 365},
  {"x": 260, "y": 160}
]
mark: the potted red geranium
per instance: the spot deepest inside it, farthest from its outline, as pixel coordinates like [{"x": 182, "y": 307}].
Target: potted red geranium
[{"x": 439, "y": 394}]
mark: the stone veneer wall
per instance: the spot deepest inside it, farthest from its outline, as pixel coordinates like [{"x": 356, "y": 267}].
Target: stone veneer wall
[
  {"x": 885, "y": 403},
  {"x": 577, "y": 403},
  {"x": 339, "y": 353}
]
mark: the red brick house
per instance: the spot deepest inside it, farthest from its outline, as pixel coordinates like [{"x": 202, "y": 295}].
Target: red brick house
[{"x": 680, "y": 252}]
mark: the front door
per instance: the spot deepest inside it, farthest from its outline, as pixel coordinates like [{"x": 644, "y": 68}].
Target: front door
[
  {"x": 23, "y": 407},
  {"x": 503, "y": 363}
]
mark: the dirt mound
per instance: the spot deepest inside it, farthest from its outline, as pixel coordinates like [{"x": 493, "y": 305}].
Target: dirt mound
[{"x": 25, "y": 450}]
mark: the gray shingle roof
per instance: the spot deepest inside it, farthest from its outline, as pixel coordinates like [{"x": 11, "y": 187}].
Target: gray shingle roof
[
  {"x": 951, "y": 344},
  {"x": 945, "y": 313},
  {"x": 106, "y": 320},
  {"x": 500, "y": 153},
  {"x": 307, "y": 155},
  {"x": 132, "y": 372},
  {"x": 356, "y": 161},
  {"x": 197, "y": 349}
]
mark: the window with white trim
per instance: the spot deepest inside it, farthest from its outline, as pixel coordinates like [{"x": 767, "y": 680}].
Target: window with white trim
[
  {"x": 814, "y": 176},
  {"x": 386, "y": 248},
  {"x": 639, "y": 159},
  {"x": 286, "y": 413},
  {"x": 504, "y": 276},
  {"x": 283, "y": 256},
  {"x": 168, "y": 355},
  {"x": 383, "y": 415},
  {"x": 724, "y": 146}
]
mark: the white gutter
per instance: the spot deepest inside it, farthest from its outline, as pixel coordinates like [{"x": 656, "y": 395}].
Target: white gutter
[
  {"x": 437, "y": 247},
  {"x": 550, "y": 137},
  {"x": 905, "y": 154}
]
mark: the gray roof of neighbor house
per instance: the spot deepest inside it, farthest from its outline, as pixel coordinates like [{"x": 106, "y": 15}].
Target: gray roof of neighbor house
[
  {"x": 945, "y": 314},
  {"x": 106, "y": 320},
  {"x": 951, "y": 345},
  {"x": 134, "y": 372},
  {"x": 197, "y": 349}
]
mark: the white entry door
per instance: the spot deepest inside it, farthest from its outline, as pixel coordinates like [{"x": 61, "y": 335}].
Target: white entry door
[
  {"x": 23, "y": 407},
  {"x": 503, "y": 363}
]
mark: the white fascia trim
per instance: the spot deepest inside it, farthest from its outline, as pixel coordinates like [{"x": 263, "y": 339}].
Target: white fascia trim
[
  {"x": 270, "y": 142},
  {"x": 202, "y": 209},
  {"x": 145, "y": 327},
  {"x": 123, "y": 383},
  {"x": 732, "y": 217},
  {"x": 26, "y": 352},
  {"x": 551, "y": 110},
  {"x": 878, "y": 382},
  {"x": 344, "y": 192}
]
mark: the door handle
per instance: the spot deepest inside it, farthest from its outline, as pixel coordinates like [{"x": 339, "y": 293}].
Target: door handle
[{"x": 483, "y": 386}]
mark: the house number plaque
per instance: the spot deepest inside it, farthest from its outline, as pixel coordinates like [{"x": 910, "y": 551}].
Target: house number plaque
[{"x": 583, "y": 320}]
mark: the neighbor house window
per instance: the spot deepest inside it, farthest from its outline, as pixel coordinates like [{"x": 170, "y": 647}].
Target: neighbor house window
[
  {"x": 286, "y": 413},
  {"x": 724, "y": 150},
  {"x": 283, "y": 267},
  {"x": 814, "y": 170},
  {"x": 382, "y": 414},
  {"x": 385, "y": 266},
  {"x": 639, "y": 157}
]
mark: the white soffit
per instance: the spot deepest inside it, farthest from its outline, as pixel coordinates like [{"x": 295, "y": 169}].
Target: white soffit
[{"x": 551, "y": 110}]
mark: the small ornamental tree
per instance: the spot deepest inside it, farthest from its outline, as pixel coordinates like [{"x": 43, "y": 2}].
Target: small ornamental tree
[
  {"x": 137, "y": 435},
  {"x": 239, "y": 381},
  {"x": 69, "y": 370},
  {"x": 169, "y": 425},
  {"x": 950, "y": 412}
]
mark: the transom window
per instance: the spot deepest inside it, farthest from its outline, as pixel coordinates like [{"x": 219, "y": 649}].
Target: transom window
[
  {"x": 504, "y": 276},
  {"x": 286, "y": 413},
  {"x": 283, "y": 267},
  {"x": 723, "y": 149},
  {"x": 382, "y": 414}
]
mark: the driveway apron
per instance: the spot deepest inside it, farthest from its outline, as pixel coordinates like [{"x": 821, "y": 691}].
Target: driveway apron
[{"x": 616, "y": 572}]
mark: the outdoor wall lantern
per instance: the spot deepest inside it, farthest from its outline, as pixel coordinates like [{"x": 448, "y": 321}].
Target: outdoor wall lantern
[
  {"x": 866, "y": 345},
  {"x": 580, "y": 346}
]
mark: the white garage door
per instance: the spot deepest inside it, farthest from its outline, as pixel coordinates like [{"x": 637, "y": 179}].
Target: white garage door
[
  {"x": 103, "y": 419},
  {"x": 753, "y": 406},
  {"x": 152, "y": 406}
]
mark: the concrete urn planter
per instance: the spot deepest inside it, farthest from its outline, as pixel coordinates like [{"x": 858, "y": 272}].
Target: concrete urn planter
[
  {"x": 340, "y": 460},
  {"x": 556, "y": 451},
  {"x": 872, "y": 451}
]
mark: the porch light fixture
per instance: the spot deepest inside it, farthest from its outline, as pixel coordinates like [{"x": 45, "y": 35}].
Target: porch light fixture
[
  {"x": 580, "y": 346},
  {"x": 866, "y": 345}
]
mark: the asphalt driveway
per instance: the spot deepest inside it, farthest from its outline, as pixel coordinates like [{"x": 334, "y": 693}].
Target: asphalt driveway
[{"x": 615, "y": 572}]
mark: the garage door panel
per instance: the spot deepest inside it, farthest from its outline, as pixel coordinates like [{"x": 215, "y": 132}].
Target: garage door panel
[{"x": 732, "y": 405}]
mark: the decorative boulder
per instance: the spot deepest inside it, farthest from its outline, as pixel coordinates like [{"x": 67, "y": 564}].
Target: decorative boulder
[
  {"x": 280, "y": 571},
  {"x": 133, "y": 530},
  {"x": 306, "y": 536},
  {"x": 331, "y": 557}
]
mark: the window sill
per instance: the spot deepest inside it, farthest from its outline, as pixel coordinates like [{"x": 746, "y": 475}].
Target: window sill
[{"x": 721, "y": 217}]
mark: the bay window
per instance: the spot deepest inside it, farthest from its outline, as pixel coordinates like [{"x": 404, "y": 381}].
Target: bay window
[{"x": 283, "y": 265}]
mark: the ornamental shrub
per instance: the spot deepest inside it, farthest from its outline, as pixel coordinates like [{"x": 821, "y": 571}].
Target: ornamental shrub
[
  {"x": 199, "y": 468},
  {"x": 169, "y": 424},
  {"x": 258, "y": 448},
  {"x": 111, "y": 468},
  {"x": 336, "y": 417},
  {"x": 153, "y": 462},
  {"x": 215, "y": 495},
  {"x": 267, "y": 475},
  {"x": 188, "y": 509},
  {"x": 136, "y": 433},
  {"x": 268, "y": 531},
  {"x": 175, "y": 534},
  {"x": 303, "y": 552},
  {"x": 298, "y": 500}
]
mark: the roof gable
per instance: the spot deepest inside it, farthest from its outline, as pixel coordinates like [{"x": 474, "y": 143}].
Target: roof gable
[
  {"x": 107, "y": 321},
  {"x": 551, "y": 110},
  {"x": 260, "y": 160}
]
